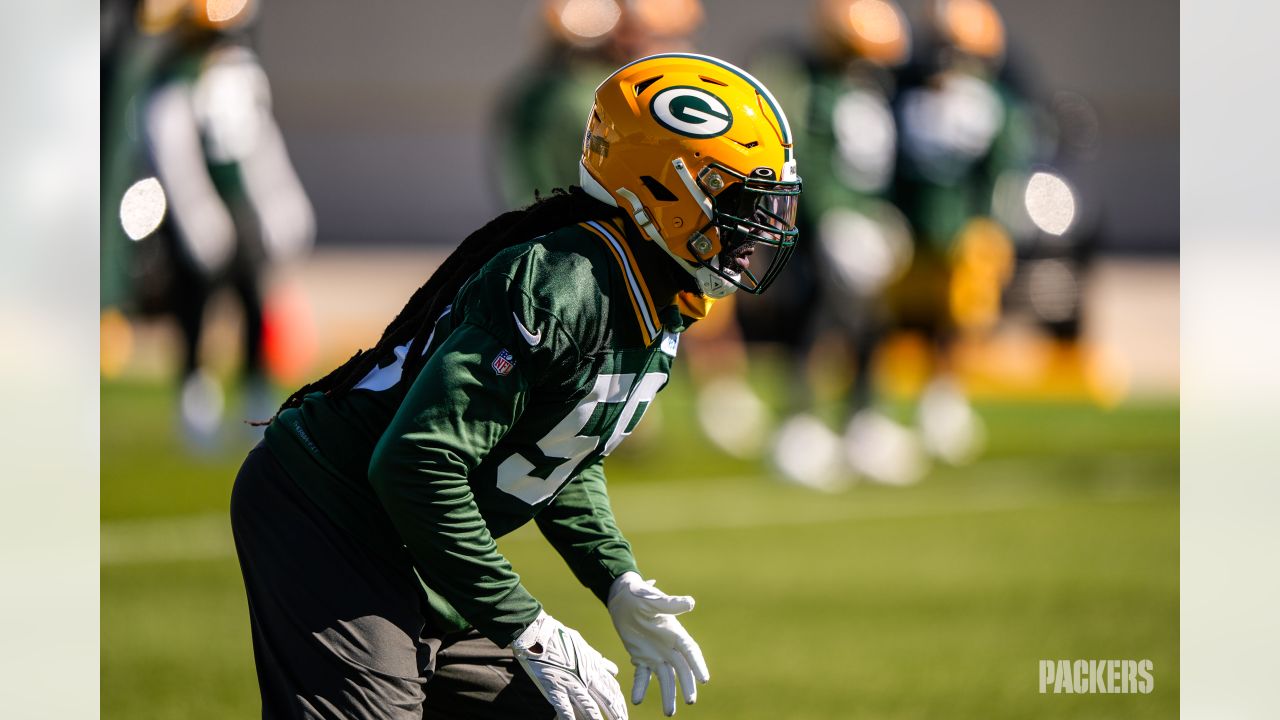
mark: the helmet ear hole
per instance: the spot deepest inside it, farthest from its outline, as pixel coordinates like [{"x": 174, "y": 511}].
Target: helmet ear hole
[
  {"x": 643, "y": 84},
  {"x": 657, "y": 189}
]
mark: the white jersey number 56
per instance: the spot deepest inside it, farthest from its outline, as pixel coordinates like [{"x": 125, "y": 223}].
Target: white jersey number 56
[{"x": 563, "y": 441}]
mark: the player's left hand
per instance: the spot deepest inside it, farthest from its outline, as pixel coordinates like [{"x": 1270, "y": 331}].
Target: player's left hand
[
  {"x": 576, "y": 679},
  {"x": 645, "y": 618}
]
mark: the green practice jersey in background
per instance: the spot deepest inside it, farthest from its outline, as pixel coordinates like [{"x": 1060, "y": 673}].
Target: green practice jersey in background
[
  {"x": 542, "y": 365},
  {"x": 960, "y": 130},
  {"x": 540, "y": 126}
]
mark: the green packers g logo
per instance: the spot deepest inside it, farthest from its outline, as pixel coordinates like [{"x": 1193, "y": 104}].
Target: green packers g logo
[{"x": 690, "y": 111}]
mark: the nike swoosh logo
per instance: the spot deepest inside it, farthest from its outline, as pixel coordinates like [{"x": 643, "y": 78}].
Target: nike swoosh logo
[{"x": 531, "y": 338}]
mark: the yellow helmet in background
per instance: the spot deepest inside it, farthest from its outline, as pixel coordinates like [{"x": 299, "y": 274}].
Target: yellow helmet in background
[
  {"x": 699, "y": 154},
  {"x": 876, "y": 30},
  {"x": 627, "y": 28},
  {"x": 665, "y": 18},
  {"x": 973, "y": 27},
  {"x": 158, "y": 16}
]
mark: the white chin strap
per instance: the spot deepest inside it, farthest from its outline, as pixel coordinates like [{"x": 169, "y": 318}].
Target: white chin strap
[{"x": 709, "y": 283}]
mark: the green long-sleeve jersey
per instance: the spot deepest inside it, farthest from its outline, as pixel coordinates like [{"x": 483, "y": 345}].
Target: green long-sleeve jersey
[{"x": 544, "y": 362}]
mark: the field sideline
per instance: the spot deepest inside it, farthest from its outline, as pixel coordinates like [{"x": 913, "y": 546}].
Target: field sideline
[{"x": 933, "y": 601}]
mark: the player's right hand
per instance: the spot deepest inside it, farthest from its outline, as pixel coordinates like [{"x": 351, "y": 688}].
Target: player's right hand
[
  {"x": 645, "y": 618},
  {"x": 579, "y": 682}
]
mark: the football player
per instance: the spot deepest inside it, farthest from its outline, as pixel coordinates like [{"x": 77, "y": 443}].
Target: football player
[
  {"x": 842, "y": 87},
  {"x": 227, "y": 202},
  {"x": 365, "y": 522},
  {"x": 961, "y": 128}
]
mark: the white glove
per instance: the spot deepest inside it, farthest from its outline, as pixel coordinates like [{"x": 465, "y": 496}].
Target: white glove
[
  {"x": 579, "y": 682},
  {"x": 645, "y": 618}
]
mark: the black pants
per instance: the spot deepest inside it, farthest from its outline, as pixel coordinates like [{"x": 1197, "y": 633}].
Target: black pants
[
  {"x": 340, "y": 633},
  {"x": 189, "y": 299}
]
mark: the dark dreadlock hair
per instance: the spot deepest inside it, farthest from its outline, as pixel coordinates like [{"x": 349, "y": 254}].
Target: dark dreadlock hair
[{"x": 563, "y": 207}]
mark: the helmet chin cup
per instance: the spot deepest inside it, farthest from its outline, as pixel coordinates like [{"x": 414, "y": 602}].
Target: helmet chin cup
[{"x": 712, "y": 284}]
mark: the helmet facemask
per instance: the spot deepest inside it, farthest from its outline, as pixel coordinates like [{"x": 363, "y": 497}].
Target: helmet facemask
[{"x": 753, "y": 217}]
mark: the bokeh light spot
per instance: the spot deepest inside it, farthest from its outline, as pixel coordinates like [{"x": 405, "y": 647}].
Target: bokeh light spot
[
  {"x": 1050, "y": 203},
  {"x": 590, "y": 18},
  {"x": 1052, "y": 290},
  {"x": 142, "y": 208}
]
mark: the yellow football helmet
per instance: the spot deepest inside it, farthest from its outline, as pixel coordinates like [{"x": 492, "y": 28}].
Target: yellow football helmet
[
  {"x": 665, "y": 18},
  {"x": 872, "y": 29},
  {"x": 972, "y": 26},
  {"x": 699, "y": 154},
  {"x": 158, "y": 16}
]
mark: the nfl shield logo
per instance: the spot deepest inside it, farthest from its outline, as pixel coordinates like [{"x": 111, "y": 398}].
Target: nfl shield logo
[{"x": 503, "y": 363}]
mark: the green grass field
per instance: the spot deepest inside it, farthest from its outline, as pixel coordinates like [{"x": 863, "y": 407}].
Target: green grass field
[{"x": 935, "y": 601}]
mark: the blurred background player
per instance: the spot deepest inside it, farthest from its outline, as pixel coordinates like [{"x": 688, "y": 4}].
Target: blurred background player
[
  {"x": 539, "y": 124},
  {"x": 841, "y": 87},
  {"x": 960, "y": 129},
  {"x": 1054, "y": 215},
  {"x": 212, "y": 197},
  {"x": 906, "y": 142}
]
